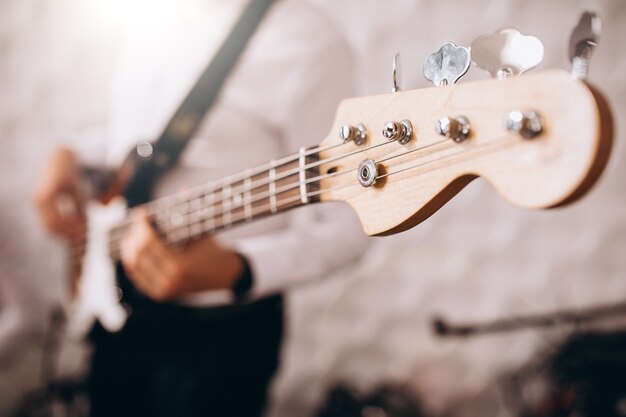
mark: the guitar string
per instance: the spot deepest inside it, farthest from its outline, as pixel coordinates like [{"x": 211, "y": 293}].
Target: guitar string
[
  {"x": 282, "y": 205},
  {"x": 295, "y": 185},
  {"x": 184, "y": 196},
  {"x": 242, "y": 206},
  {"x": 286, "y": 202},
  {"x": 213, "y": 187},
  {"x": 264, "y": 209},
  {"x": 318, "y": 192},
  {"x": 202, "y": 192},
  {"x": 241, "y": 176},
  {"x": 122, "y": 226},
  {"x": 292, "y": 186},
  {"x": 289, "y": 201}
]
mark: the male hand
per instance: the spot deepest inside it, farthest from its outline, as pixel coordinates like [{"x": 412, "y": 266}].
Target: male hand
[
  {"x": 59, "y": 197},
  {"x": 60, "y": 203},
  {"x": 163, "y": 273}
]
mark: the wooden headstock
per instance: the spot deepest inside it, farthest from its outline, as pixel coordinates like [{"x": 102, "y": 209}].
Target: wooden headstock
[{"x": 415, "y": 179}]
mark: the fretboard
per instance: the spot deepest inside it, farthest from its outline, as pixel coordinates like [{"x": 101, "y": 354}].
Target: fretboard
[{"x": 254, "y": 193}]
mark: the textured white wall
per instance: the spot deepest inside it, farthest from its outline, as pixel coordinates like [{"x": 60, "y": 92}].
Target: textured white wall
[
  {"x": 53, "y": 61},
  {"x": 478, "y": 258}
]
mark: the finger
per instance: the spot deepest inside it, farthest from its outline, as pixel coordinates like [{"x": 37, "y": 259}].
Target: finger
[
  {"x": 151, "y": 280},
  {"x": 155, "y": 248},
  {"x": 129, "y": 255},
  {"x": 139, "y": 280},
  {"x": 149, "y": 270},
  {"x": 143, "y": 225},
  {"x": 79, "y": 200},
  {"x": 50, "y": 216},
  {"x": 73, "y": 216},
  {"x": 149, "y": 259},
  {"x": 59, "y": 196},
  {"x": 61, "y": 207},
  {"x": 161, "y": 265},
  {"x": 56, "y": 220}
]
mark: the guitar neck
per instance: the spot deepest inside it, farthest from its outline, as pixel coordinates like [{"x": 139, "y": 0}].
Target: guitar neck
[
  {"x": 398, "y": 178},
  {"x": 254, "y": 193}
]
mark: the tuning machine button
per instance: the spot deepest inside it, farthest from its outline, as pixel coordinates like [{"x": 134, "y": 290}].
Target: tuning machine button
[
  {"x": 401, "y": 131},
  {"x": 447, "y": 65},
  {"x": 507, "y": 52},
  {"x": 456, "y": 128},
  {"x": 357, "y": 133},
  {"x": 527, "y": 123}
]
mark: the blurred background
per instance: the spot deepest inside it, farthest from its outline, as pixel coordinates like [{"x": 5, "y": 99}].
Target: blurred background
[{"x": 476, "y": 260}]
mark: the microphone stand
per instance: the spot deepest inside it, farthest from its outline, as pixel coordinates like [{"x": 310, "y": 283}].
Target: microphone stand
[{"x": 443, "y": 328}]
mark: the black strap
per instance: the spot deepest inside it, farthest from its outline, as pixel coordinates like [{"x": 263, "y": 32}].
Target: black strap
[{"x": 168, "y": 147}]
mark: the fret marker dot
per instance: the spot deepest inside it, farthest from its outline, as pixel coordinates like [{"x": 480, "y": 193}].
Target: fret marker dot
[{"x": 176, "y": 219}]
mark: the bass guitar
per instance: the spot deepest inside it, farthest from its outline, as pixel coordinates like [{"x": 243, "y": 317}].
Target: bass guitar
[{"x": 540, "y": 140}]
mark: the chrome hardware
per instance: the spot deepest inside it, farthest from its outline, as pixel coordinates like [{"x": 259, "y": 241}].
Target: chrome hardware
[
  {"x": 527, "y": 124},
  {"x": 356, "y": 133},
  {"x": 400, "y": 131},
  {"x": 346, "y": 133},
  {"x": 396, "y": 74},
  {"x": 447, "y": 65},
  {"x": 456, "y": 128},
  {"x": 144, "y": 149},
  {"x": 367, "y": 172},
  {"x": 583, "y": 39},
  {"x": 507, "y": 52}
]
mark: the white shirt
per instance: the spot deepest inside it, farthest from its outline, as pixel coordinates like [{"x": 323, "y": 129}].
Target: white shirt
[{"x": 282, "y": 95}]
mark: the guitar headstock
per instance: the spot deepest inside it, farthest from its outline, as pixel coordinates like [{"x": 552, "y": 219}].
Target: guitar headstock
[{"x": 540, "y": 140}]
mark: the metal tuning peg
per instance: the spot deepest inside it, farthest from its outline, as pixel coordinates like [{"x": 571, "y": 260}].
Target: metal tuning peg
[
  {"x": 583, "y": 39},
  {"x": 456, "y": 128},
  {"x": 396, "y": 74},
  {"x": 357, "y": 133},
  {"x": 507, "y": 52},
  {"x": 447, "y": 65},
  {"x": 527, "y": 124}
]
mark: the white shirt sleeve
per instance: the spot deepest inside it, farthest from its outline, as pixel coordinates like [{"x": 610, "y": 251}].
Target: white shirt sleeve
[
  {"x": 323, "y": 237},
  {"x": 286, "y": 88}
]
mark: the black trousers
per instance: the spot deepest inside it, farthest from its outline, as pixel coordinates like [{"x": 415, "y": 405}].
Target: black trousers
[{"x": 172, "y": 361}]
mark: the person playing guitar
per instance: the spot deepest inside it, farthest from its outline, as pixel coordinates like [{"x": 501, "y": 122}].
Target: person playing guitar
[
  {"x": 190, "y": 345},
  {"x": 200, "y": 320}
]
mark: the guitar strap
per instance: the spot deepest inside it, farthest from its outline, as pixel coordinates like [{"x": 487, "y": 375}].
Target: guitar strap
[{"x": 145, "y": 168}]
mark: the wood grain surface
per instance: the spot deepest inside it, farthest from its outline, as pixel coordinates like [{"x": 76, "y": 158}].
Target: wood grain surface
[{"x": 550, "y": 170}]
